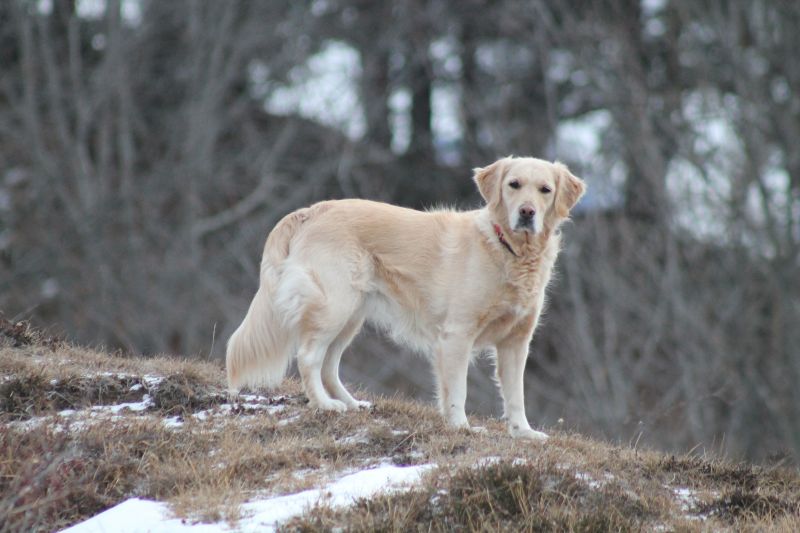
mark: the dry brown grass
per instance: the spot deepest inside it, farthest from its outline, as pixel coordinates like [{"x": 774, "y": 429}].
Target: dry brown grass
[{"x": 189, "y": 447}]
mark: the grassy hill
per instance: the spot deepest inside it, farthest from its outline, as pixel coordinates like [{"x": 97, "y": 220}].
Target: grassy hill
[{"x": 83, "y": 430}]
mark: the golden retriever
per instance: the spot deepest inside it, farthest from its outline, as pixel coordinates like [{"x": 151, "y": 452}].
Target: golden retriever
[{"x": 448, "y": 284}]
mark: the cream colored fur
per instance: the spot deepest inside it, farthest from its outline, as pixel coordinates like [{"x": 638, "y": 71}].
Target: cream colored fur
[{"x": 440, "y": 282}]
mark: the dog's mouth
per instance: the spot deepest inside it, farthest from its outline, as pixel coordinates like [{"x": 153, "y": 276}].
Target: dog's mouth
[{"x": 525, "y": 225}]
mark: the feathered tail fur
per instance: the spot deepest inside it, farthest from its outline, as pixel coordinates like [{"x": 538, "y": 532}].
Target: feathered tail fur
[{"x": 260, "y": 349}]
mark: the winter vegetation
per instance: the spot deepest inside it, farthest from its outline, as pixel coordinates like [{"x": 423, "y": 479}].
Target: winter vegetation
[
  {"x": 147, "y": 147},
  {"x": 112, "y": 442}
]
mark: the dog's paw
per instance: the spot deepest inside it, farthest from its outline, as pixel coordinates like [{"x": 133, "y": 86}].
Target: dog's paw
[
  {"x": 331, "y": 405},
  {"x": 527, "y": 434},
  {"x": 352, "y": 403},
  {"x": 458, "y": 422}
]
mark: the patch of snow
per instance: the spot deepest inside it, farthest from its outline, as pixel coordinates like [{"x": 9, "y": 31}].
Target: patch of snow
[
  {"x": 225, "y": 410},
  {"x": 140, "y": 516},
  {"x": 272, "y": 409},
  {"x": 360, "y": 437},
  {"x": 415, "y": 454},
  {"x": 80, "y": 419},
  {"x": 76, "y": 420},
  {"x": 254, "y": 398},
  {"x": 68, "y": 419},
  {"x": 202, "y": 415},
  {"x": 686, "y": 497},
  {"x": 487, "y": 461},
  {"x": 287, "y": 421},
  {"x": 28, "y": 425},
  {"x": 122, "y": 375},
  {"x": 133, "y": 406},
  {"x": 173, "y": 421},
  {"x": 493, "y": 460},
  {"x": 592, "y": 481},
  {"x": 151, "y": 380},
  {"x": 341, "y": 493},
  {"x": 137, "y": 515},
  {"x": 589, "y": 480},
  {"x": 436, "y": 498},
  {"x": 304, "y": 473}
]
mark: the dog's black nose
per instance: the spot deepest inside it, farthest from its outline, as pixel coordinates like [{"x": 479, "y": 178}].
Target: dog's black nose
[{"x": 526, "y": 212}]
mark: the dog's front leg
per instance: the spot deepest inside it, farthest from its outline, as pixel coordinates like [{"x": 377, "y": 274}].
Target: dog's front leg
[
  {"x": 451, "y": 363},
  {"x": 511, "y": 357}
]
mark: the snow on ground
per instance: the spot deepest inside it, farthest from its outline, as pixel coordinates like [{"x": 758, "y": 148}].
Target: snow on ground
[
  {"x": 145, "y": 404},
  {"x": 686, "y": 497},
  {"x": 265, "y": 514},
  {"x": 82, "y": 418},
  {"x": 143, "y": 516}
]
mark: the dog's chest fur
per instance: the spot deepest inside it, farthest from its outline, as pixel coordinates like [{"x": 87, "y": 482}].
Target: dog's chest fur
[{"x": 520, "y": 297}]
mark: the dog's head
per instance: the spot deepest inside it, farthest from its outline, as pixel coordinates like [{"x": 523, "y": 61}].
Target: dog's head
[{"x": 525, "y": 194}]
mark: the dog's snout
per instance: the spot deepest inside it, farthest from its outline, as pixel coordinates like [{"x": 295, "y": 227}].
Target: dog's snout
[{"x": 527, "y": 212}]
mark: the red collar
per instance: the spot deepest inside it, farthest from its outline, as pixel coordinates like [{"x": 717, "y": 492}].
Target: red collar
[{"x": 502, "y": 239}]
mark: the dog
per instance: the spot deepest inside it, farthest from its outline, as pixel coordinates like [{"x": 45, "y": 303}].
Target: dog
[{"x": 449, "y": 284}]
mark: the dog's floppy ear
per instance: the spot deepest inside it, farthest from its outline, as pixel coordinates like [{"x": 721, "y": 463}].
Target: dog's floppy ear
[
  {"x": 569, "y": 190},
  {"x": 487, "y": 179}
]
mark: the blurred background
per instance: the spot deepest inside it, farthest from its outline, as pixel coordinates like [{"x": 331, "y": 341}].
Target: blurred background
[{"x": 147, "y": 148}]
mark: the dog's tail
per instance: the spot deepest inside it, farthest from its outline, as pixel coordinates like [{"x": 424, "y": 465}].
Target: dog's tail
[{"x": 260, "y": 349}]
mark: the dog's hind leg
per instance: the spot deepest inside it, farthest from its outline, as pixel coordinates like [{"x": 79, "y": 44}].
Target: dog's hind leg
[
  {"x": 329, "y": 321},
  {"x": 330, "y": 367},
  {"x": 310, "y": 358}
]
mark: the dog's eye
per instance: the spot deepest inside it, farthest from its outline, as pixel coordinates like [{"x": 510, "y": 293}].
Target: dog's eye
[
  {"x": 544, "y": 189},
  {"x": 514, "y": 184}
]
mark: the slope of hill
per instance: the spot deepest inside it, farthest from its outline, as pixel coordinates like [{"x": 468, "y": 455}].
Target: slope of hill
[{"x": 156, "y": 444}]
